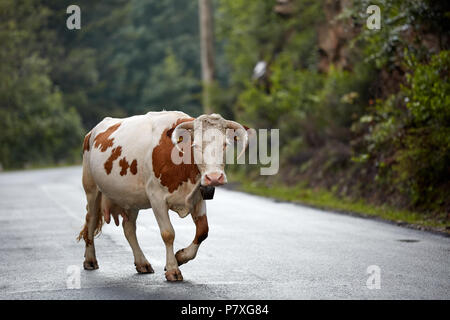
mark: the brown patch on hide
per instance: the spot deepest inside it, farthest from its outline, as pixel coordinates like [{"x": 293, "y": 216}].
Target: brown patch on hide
[
  {"x": 123, "y": 163},
  {"x": 172, "y": 175},
  {"x": 133, "y": 167},
  {"x": 86, "y": 146},
  {"x": 102, "y": 140},
  {"x": 201, "y": 232},
  {"x": 115, "y": 154}
]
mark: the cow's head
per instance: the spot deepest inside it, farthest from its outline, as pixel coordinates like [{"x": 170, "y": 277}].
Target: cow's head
[{"x": 210, "y": 135}]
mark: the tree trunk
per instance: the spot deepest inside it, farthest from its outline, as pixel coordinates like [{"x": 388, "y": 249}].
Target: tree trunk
[{"x": 207, "y": 51}]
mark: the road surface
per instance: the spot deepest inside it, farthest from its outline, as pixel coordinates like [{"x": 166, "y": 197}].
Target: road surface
[{"x": 256, "y": 249}]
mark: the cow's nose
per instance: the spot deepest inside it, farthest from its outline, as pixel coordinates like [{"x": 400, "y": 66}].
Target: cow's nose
[{"x": 214, "y": 179}]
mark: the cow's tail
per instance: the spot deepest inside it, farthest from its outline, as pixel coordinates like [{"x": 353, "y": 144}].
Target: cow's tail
[{"x": 98, "y": 226}]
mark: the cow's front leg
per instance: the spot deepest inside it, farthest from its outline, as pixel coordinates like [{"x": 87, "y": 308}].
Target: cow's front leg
[
  {"x": 168, "y": 235},
  {"x": 129, "y": 228},
  {"x": 201, "y": 233}
]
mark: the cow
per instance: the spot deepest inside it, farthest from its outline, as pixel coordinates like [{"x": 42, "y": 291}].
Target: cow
[{"x": 128, "y": 166}]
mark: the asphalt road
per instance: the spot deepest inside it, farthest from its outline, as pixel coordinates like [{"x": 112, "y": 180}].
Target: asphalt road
[{"x": 256, "y": 249}]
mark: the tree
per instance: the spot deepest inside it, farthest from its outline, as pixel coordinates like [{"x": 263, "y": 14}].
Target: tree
[
  {"x": 36, "y": 125},
  {"x": 207, "y": 51}
]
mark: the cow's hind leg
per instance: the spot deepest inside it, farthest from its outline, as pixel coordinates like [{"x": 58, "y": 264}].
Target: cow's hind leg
[
  {"x": 94, "y": 220},
  {"x": 129, "y": 228},
  {"x": 91, "y": 228},
  {"x": 201, "y": 233}
]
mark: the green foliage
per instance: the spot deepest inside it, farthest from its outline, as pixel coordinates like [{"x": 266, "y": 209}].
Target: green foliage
[
  {"x": 341, "y": 99},
  {"x": 129, "y": 57},
  {"x": 427, "y": 92},
  {"x": 380, "y": 45},
  {"x": 173, "y": 86},
  {"x": 290, "y": 100},
  {"x": 309, "y": 107},
  {"x": 36, "y": 125},
  {"x": 378, "y": 128},
  {"x": 252, "y": 31},
  {"x": 402, "y": 24},
  {"x": 153, "y": 62},
  {"x": 115, "y": 64},
  {"x": 287, "y": 94},
  {"x": 415, "y": 125}
]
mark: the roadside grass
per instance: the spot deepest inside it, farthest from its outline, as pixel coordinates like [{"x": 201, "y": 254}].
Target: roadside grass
[{"x": 323, "y": 199}]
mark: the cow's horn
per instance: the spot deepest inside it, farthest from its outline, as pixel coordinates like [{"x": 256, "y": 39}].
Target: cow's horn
[
  {"x": 176, "y": 132},
  {"x": 241, "y": 134}
]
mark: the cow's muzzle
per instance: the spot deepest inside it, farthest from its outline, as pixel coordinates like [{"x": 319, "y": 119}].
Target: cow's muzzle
[{"x": 214, "y": 179}]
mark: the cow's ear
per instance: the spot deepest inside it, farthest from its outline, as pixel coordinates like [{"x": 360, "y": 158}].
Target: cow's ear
[{"x": 170, "y": 132}]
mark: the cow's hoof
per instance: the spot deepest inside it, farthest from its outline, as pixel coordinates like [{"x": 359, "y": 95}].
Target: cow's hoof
[
  {"x": 174, "y": 275},
  {"x": 180, "y": 256},
  {"x": 90, "y": 264},
  {"x": 144, "y": 268}
]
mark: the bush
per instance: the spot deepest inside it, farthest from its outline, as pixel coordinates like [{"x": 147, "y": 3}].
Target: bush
[
  {"x": 36, "y": 126},
  {"x": 412, "y": 130}
]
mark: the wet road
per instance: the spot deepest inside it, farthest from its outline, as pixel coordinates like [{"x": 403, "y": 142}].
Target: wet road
[{"x": 256, "y": 249}]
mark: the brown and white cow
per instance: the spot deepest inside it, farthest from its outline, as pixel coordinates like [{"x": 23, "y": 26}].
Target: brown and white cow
[{"x": 127, "y": 166}]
